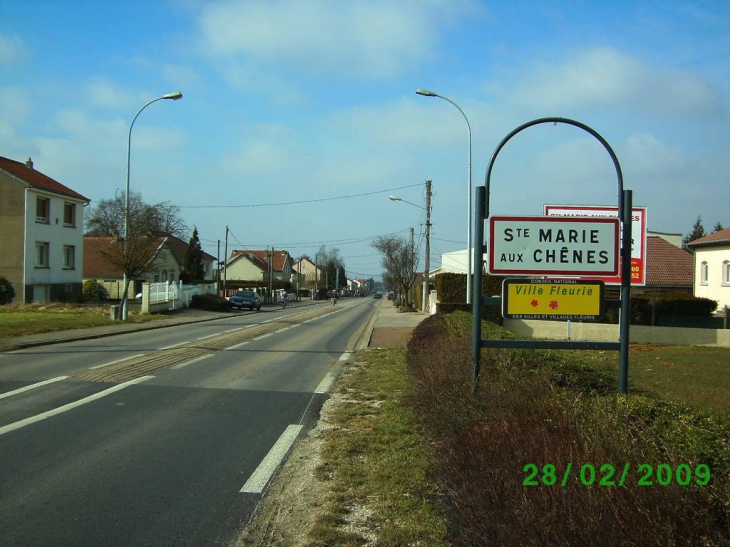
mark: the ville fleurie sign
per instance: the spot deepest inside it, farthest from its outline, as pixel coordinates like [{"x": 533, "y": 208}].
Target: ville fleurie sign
[
  {"x": 552, "y": 245},
  {"x": 552, "y": 299}
]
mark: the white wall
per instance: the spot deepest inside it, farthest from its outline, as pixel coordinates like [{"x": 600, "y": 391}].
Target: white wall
[
  {"x": 714, "y": 288},
  {"x": 57, "y": 235},
  {"x": 455, "y": 262}
]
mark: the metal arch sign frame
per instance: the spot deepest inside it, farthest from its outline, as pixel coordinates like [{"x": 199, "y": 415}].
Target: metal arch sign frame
[{"x": 481, "y": 214}]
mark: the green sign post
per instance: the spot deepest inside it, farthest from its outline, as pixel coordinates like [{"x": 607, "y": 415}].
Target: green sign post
[{"x": 482, "y": 215}]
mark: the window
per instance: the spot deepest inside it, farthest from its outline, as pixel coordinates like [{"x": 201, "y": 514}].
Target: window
[
  {"x": 703, "y": 273},
  {"x": 69, "y": 257},
  {"x": 69, "y": 214},
  {"x": 726, "y": 272},
  {"x": 42, "y": 210},
  {"x": 41, "y": 254}
]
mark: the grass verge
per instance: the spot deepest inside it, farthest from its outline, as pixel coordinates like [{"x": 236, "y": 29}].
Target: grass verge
[
  {"x": 376, "y": 462},
  {"x": 26, "y": 319},
  {"x": 413, "y": 458}
]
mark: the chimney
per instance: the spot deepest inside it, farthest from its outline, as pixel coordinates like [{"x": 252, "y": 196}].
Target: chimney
[{"x": 29, "y": 163}]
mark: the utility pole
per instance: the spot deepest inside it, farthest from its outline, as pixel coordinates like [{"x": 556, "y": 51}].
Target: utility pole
[
  {"x": 271, "y": 275},
  {"x": 413, "y": 264},
  {"x": 218, "y": 273},
  {"x": 427, "y": 259},
  {"x": 225, "y": 266}
]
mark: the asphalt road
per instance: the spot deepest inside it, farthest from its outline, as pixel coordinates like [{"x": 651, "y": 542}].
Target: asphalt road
[{"x": 164, "y": 437}]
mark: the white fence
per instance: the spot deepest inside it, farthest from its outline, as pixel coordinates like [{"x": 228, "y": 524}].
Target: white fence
[{"x": 171, "y": 296}]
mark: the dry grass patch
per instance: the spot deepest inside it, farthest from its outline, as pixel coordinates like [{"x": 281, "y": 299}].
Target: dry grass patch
[{"x": 27, "y": 319}]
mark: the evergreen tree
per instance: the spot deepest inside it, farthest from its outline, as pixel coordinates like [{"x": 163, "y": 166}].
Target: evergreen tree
[
  {"x": 7, "y": 293},
  {"x": 193, "y": 268},
  {"x": 717, "y": 228},
  {"x": 697, "y": 232}
]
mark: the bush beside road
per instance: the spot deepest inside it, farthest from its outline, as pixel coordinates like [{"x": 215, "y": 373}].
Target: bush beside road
[{"x": 388, "y": 458}]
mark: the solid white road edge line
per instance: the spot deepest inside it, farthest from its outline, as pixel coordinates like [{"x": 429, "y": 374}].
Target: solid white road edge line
[
  {"x": 32, "y": 386},
  {"x": 329, "y": 379},
  {"x": 117, "y": 361},
  {"x": 61, "y": 409},
  {"x": 258, "y": 480}
]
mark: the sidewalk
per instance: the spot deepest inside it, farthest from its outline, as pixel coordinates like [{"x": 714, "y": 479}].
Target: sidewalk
[
  {"x": 389, "y": 328},
  {"x": 393, "y": 328}
]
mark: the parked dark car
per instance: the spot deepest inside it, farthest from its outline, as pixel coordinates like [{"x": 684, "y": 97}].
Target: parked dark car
[
  {"x": 321, "y": 294},
  {"x": 378, "y": 295},
  {"x": 245, "y": 299}
]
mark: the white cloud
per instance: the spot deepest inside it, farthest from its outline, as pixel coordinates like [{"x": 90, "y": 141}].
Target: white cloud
[
  {"x": 180, "y": 76},
  {"x": 646, "y": 153},
  {"x": 104, "y": 93},
  {"x": 606, "y": 78},
  {"x": 12, "y": 50},
  {"x": 361, "y": 40},
  {"x": 14, "y": 104}
]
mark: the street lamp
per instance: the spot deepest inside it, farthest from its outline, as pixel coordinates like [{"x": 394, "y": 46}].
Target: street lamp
[
  {"x": 172, "y": 96},
  {"x": 427, "y": 259},
  {"x": 427, "y": 93}
]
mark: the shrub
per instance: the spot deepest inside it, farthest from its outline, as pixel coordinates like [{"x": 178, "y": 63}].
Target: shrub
[
  {"x": 7, "y": 293},
  {"x": 685, "y": 305},
  {"x": 546, "y": 407},
  {"x": 209, "y": 302},
  {"x": 93, "y": 290}
]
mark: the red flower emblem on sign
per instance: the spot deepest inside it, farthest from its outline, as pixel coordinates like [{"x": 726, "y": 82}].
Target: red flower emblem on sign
[
  {"x": 534, "y": 303},
  {"x": 554, "y": 304}
]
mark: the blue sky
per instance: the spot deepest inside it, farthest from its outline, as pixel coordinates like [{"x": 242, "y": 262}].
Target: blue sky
[{"x": 301, "y": 101}]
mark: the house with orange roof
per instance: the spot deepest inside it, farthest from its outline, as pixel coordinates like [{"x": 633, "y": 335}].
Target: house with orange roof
[
  {"x": 164, "y": 265},
  {"x": 669, "y": 268},
  {"x": 246, "y": 265},
  {"x": 712, "y": 267},
  {"x": 41, "y": 229}
]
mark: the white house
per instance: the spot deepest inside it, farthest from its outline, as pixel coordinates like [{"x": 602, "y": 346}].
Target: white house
[
  {"x": 712, "y": 267},
  {"x": 41, "y": 230},
  {"x": 454, "y": 262}
]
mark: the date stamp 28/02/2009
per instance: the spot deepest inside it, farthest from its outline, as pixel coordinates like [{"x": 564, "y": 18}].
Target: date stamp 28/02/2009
[{"x": 608, "y": 475}]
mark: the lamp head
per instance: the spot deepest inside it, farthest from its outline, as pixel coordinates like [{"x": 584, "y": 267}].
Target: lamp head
[
  {"x": 394, "y": 198},
  {"x": 174, "y": 96},
  {"x": 425, "y": 92}
]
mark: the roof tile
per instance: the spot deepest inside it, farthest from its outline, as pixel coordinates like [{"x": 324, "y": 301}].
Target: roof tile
[
  {"x": 37, "y": 179},
  {"x": 667, "y": 264},
  {"x": 721, "y": 236}
]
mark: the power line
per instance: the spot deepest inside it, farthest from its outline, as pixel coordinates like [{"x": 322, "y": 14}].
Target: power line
[
  {"x": 293, "y": 202},
  {"x": 310, "y": 243}
]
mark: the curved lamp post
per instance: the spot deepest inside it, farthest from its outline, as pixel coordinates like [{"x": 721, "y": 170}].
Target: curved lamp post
[
  {"x": 426, "y": 260},
  {"x": 172, "y": 96},
  {"x": 427, "y": 93}
]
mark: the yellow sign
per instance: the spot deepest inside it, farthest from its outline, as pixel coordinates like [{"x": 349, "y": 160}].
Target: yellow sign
[{"x": 554, "y": 299}]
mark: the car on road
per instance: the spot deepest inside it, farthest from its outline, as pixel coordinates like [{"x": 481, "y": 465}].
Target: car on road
[
  {"x": 377, "y": 295},
  {"x": 245, "y": 299}
]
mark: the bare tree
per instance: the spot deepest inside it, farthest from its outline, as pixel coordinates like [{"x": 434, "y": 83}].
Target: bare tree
[
  {"x": 148, "y": 226},
  {"x": 160, "y": 219},
  {"x": 332, "y": 265},
  {"x": 399, "y": 261}
]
